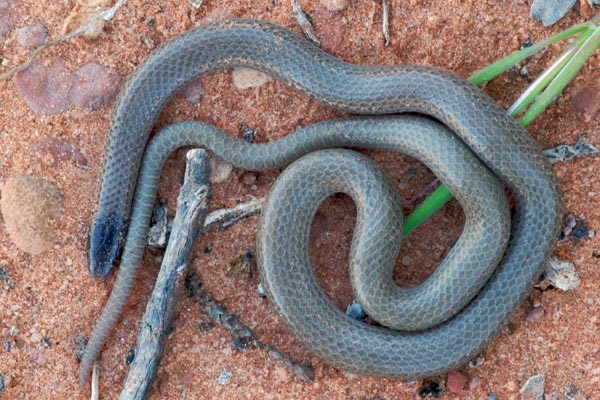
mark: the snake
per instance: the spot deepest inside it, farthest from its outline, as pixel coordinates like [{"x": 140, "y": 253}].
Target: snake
[{"x": 449, "y": 124}]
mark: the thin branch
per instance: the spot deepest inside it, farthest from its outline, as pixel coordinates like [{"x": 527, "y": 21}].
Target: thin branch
[
  {"x": 192, "y": 206},
  {"x": 105, "y": 15}
]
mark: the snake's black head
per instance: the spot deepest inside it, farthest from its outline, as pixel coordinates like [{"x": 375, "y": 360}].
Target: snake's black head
[{"x": 105, "y": 243}]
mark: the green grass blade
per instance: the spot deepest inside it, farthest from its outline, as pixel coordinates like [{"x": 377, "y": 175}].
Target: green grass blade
[
  {"x": 565, "y": 76},
  {"x": 493, "y": 70},
  {"x": 554, "y": 80},
  {"x": 432, "y": 203}
]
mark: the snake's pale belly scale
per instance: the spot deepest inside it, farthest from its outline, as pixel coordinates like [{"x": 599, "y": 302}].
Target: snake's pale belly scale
[{"x": 494, "y": 137}]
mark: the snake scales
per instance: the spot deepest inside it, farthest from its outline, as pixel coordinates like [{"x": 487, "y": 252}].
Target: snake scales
[{"x": 434, "y": 334}]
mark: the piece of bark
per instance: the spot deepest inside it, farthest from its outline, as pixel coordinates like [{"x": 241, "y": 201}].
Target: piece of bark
[{"x": 192, "y": 205}]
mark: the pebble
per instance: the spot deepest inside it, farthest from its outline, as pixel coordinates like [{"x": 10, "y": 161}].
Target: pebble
[
  {"x": 192, "y": 91},
  {"x": 535, "y": 315},
  {"x": 533, "y": 388},
  {"x": 456, "y": 381},
  {"x": 586, "y": 102},
  {"x": 335, "y": 5},
  {"x": 249, "y": 178},
  {"x": 224, "y": 377},
  {"x": 95, "y": 86},
  {"x": 355, "y": 310},
  {"x": 219, "y": 170},
  {"x": 331, "y": 29},
  {"x": 548, "y": 12},
  {"x": 31, "y": 207},
  {"x": 561, "y": 274},
  {"x": 60, "y": 151},
  {"x": 48, "y": 87},
  {"x": 45, "y": 86},
  {"x": 597, "y": 355},
  {"x": 244, "y": 78},
  {"x": 32, "y": 35},
  {"x": 475, "y": 382}
]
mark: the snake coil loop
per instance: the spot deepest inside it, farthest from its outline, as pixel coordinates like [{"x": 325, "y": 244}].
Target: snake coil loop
[{"x": 476, "y": 122}]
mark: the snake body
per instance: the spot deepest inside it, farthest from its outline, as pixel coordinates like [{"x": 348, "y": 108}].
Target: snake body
[{"x": 451, "y": 333}]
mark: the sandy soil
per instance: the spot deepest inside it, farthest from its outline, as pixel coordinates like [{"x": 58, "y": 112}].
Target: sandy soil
[{"x": 54, "y": 296}]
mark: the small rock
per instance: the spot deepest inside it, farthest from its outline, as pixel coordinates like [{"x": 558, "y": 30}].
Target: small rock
[
  {"x": 561, "y": 274},
  {"x": 59, "y": 149},
  {"x": 475, "y": 382},
  {"x": 219, "y": 170},
  {"x": 32, "y": 35},
  {"x": 224, "y": 377},
  {"x": 117, "y": 378},
  {"x": 244, "y": 78},
  {"x": 45, "y": 86},
  {"x": 261, "y": 290},
  {"x": 94, "y": 86},
  {"x": 586, "y": 102},
  {"x": 335, "y": 5},
  {"x": 550, "y": 11},
  {"x": 331, "y": 29},
  {"x": 455, "y": 381},
  {"x": 249, "y": 178},
  {"x": 533, "y": 388},
  {"x": 597, "y": 355},
  {"x": 192, "y": 91},
  {"x": 355, "y": 310},
  {"x": 535, "y": 315},
  {"x": 31, "y": 207},
  {"x": 48, "y": 87},
  {"x": 492, "y": 396}
]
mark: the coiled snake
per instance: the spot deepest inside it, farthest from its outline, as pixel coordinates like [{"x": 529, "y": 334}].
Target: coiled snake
[{"x": 437, "y": 326}]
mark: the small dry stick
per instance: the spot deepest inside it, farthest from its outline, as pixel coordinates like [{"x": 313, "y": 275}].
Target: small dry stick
[
  {"x": 192, "y": 206},
  {"x": 245, "y": 337},
  {"x": 105, "y": 15},
  {"x": 220, "y": 219},
  {"x": 305, "y": 23},
  {"x": 386, "y": 21}
]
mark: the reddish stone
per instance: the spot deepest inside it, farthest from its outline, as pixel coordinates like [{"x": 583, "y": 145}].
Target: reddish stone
[
  {"x": 456, "y": 381},
  {"x": 45, "y": 86},
  {"x": 586, "y": 102},
  {"x": 94, "y": 86}
]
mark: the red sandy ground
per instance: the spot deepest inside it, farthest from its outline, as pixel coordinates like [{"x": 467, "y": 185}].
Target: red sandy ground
[{"x": 54, "y": 295}]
